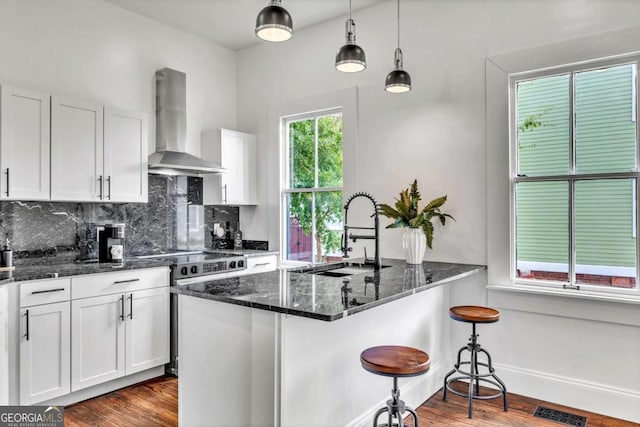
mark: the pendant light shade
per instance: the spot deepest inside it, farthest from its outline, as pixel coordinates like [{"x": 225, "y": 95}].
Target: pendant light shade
[
  {"x": 274, "y": 24},
  {"x": 351, "y": 57},
  {"x": 398, "y": 80}
]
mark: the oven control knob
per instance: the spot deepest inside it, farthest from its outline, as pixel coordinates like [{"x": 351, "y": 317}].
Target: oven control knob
[
  {"x": 240, "y": 264},
  {"x": 184, "y": 271},
  {"x": 194, "y": 269},
  {"x": 232, "y": 264}
]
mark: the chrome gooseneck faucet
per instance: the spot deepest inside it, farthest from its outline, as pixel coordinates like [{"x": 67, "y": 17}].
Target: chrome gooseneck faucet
[{"x": 354, "y": 237}]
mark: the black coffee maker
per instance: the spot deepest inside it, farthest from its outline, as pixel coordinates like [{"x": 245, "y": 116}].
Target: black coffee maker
[{"x": 111, "y": 243}]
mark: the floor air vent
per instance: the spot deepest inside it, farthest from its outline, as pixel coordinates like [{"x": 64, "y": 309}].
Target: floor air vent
[{"x": 560, "y": 416}]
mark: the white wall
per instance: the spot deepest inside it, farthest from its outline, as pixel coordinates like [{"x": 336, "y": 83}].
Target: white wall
[
  {"x": 94, "y": 50},
  {"x": 437, "y": 134}
]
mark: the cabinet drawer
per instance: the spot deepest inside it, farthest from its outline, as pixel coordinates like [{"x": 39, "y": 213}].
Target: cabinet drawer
[
  {"x": 44, "y": 292},
  {"x": 259, "y": 264},
  {"x": 92, "y": 285}
]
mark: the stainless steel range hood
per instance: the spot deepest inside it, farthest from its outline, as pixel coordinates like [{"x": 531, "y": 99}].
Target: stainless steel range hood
[{"x": 171, "y": 157}]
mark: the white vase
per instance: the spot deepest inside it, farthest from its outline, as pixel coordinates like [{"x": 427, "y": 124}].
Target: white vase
[{"x": 414, "y": 243}]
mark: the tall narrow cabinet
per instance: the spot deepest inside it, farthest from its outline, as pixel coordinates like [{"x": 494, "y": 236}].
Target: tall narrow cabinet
[
  {"x": 125, "y": 155},
  {"x": 24, "y": 144},
  {"x": 236, "y": 152}
]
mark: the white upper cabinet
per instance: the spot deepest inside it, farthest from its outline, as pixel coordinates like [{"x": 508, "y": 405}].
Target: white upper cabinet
[
  {"x": 76, "y": 150},
  {"x": 61, "y": 149},
  {"x": 236, "y": 152},
  {"x": 125, "y": 155},
  {"x": 24, "y": 144}
]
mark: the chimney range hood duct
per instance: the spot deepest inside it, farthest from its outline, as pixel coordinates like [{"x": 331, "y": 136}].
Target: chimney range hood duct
[{"x": 171, "y": 157}]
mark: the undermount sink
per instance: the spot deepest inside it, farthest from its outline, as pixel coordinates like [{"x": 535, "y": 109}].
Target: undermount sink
[{"x": 341, "y": 269}]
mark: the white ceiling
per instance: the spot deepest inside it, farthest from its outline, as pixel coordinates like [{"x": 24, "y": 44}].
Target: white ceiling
[{"x": 230, "y": 23}]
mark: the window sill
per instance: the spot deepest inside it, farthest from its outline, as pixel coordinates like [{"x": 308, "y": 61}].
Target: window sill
[
  {"x": 569, "y": 293},
  {"x": 620, "y": 309}
]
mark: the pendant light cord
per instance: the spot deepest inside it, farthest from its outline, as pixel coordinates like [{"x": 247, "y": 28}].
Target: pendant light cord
[
  {"x": 349, "y": 10},
  {"x": 398, "y": 24}
]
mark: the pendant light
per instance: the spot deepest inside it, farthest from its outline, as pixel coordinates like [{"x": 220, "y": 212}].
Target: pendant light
[
  {"x": 398, "y": 81},
  {"x": 350, "y": 58},
  {"x": 274, "y": 24}
]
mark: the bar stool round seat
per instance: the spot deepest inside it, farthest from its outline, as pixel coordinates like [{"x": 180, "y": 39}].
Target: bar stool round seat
[
  {"x": 397, "y": 362},
  {"x": 474, "y": 314},
  {"x": 477, "y": 371}
]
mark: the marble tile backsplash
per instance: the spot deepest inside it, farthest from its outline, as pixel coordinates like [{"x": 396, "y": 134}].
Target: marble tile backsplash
[
  {"x": 55, "y": 228},
  {"x": 173, "y": 218}
]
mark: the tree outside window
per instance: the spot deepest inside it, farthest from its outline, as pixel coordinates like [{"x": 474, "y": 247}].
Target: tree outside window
[{"x": 313, "y": 191}]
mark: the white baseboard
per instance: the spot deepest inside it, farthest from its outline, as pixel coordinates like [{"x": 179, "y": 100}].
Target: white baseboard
[
  {"x": 107, "y": 387},
  {"x": 588, "y": 396},
  {"x": 415, "y": 391}
]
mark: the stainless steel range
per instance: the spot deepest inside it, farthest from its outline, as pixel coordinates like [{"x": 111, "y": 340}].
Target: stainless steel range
[{"x": 191, "y": 267}]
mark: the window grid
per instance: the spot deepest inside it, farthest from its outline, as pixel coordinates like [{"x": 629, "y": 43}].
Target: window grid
[
  {"x": 315, "y": 190},
  {"x": 572, "y": 177}
]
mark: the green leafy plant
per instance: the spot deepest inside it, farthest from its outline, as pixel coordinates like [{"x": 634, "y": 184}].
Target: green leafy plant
[{"x": 408, "y": 214}]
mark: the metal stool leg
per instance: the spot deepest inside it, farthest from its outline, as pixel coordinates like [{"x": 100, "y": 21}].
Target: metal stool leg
[
  {"x": 415, "y": 416},
  {"x": 451, "y": 372},
  {"x": 477, "y": 373},
  {"x": 377, "y": 415},
  {"x": 495, "y": 377},
  {"x": 444, "y": 388},
  {"x": 474, "y": 375},
  {"x": 472, "y": 365},
  {"x": 504, "y": 390}
]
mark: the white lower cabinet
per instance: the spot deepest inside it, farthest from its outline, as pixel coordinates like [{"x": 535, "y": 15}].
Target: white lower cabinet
[
  {"x": 97, "y": 348},
  {"x": 4, "y": 346},
  {"x": 44, "y": 352},
  {"x": 118, "y": 335},
  {"x": 147, "y": 330},
  {"x": 76, "y": 333}
]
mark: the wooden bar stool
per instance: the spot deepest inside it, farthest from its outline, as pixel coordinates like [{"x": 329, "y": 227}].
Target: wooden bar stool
[
  {"x": 397, "y": 362},
  {"x": 474, "y": 314}
]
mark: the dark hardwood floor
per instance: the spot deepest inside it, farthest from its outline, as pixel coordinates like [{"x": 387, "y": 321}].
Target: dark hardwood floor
[
  {"x": 151, "y": 403},
  {"x": 155, "y": 403}
]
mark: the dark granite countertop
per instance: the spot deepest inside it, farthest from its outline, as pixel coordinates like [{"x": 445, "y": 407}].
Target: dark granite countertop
[
  {"x": 63, "y": 267},
  {"x": 328, "y": 298}
]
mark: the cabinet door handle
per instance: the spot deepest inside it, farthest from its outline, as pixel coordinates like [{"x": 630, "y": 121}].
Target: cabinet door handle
[
  {"x": 101, "y": 185},
  {"x": 122, "y": 307},
  {"x": 131, "y": 306},
  {"x": 47, "y": 291},
  {"x": 117, "y": 282},
  {"x": 7, "y": 182},
  {"x": 261, "y": 264},
  {"x": 109, "y": 187},
  {"x": 27, "y": 334},
  {"x": 224, "y": 187}
]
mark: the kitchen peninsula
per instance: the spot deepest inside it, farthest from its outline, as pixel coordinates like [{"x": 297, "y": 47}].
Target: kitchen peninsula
[{"x": 282, "y": 348}]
